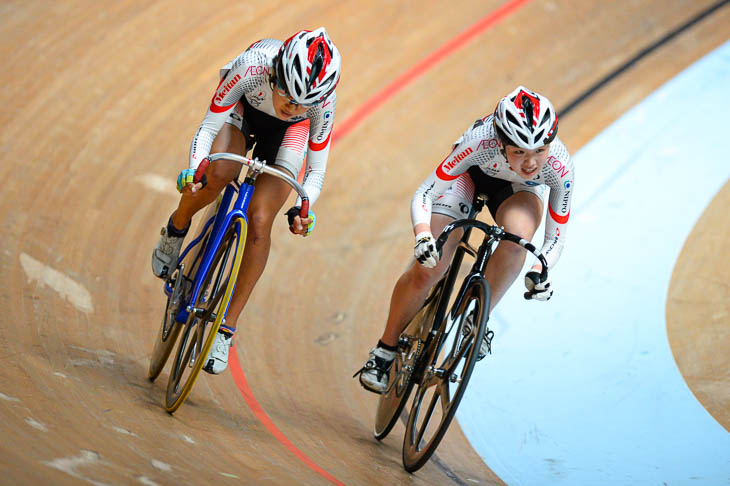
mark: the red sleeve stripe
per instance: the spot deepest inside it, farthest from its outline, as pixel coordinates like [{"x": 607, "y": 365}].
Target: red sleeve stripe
[
  {"x": 558, "y": 219},
  {"x": 220, "y": 109},
  {"x": 295, "y": 137},
  {"x": 319, "y": 146},
  {"x": 443, "y": 175}
]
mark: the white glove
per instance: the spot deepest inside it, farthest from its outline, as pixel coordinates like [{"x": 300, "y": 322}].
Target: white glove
[
  {"x": 425, "y": 249},
  {"x": 536, "y": 290}
]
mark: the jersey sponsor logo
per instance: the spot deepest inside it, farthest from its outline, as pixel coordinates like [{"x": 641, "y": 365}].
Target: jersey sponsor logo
[
  {"x": 568, "y": 185},
  {"x": 320, "y": 146},
  {"x": 532, "y": 183},
  {"x": 558, "y": 218},
  {"x": 490, "y": 143},
  {"x": 566, "y": 198},
  {"x": 256, "y": 71},
  {"x": 220, "y": 95},
  {"x": 552, "y": 244},
  {"x": 450, "y": 163},
  {"x": 325, "y": 124},
  {"x": 558, "y": 166},
  {"x": 456, "y": 159},
  {"x": 256, "y": 99}
]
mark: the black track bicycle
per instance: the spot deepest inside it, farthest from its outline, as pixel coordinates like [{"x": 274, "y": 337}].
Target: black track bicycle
[{"x": 440, "y": 346}]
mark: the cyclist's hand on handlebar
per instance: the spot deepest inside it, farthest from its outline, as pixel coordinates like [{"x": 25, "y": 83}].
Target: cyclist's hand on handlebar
[
  {"x": 192, "y": 180},
  {"x": 425, "y": 250},
  {"x": 537, "y": 290},
  {"x": 300, "y": 226}
]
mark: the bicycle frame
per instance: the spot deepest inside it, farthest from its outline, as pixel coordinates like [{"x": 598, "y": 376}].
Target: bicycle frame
[
  {"x": 493, "y": 235},
  {"x": 223, "y": 218}
]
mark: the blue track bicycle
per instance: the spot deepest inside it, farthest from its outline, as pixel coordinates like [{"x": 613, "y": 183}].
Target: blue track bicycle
[{"x": 200, "y": 288}]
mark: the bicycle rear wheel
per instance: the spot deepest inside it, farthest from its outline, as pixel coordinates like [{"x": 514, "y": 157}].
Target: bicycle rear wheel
[
  {"x": 170, "y": 328},
  {"x": 202, "y": 325},
  {"x": 454, "y": 356},
  {"x": 400, "y": 382}
]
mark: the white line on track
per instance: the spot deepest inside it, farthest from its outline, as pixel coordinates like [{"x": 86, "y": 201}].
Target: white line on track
[{"x": 71, "y": 290}]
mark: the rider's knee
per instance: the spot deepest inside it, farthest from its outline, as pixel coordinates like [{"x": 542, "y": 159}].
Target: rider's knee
[
  {"x": 424, "y": 278},
  {"x": 218, "y": 175},
  {"x": 259, "y": 224},
  {"x": 512, "y": 252}
]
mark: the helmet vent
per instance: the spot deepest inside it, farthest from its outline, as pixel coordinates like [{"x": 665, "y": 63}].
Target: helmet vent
[
  {"x": 317, "y": 64},
  {"x": 528, "y": 110},
  {"x": 545, "y": 117}
]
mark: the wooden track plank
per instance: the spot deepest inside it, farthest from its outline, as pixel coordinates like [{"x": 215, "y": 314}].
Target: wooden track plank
[{"x": 99, "y": 99}]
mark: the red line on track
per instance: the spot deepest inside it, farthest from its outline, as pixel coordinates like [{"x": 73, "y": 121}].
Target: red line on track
[
  {"x": 424, "y": 65},
  {"x": 250, "y": 399},
  {"x": 347, "y": 126}
]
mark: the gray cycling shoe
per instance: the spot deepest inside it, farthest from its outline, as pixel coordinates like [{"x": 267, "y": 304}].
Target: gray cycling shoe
[{"x": 166, "y": 253}]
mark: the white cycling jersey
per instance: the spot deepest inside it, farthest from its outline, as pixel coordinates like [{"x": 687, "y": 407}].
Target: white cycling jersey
[
  {"x": 450, "y": 184},
  {"x": 248, "y": 75}
]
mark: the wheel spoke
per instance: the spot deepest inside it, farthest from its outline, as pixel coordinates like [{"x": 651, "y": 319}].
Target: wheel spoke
[
  {"x": 427, "y": 419},
  {"x": 445, "y": 396}
]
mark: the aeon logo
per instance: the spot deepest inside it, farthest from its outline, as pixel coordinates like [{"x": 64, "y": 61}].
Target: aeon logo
[
  {"x": 255, "y": 71},
  {"x": 558, "y": 166},
  {"x": 487, "y": 144},
  {"x": 458, "y": 158},
  {"x": 226, "y": 88}
]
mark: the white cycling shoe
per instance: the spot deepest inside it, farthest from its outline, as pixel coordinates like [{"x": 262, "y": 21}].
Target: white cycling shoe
[
  {"x": 374, "y": 375},
  {"x": 166, "y": 253},
  {"x": 486, "y": 346},
  {"x": 217, "y": 360}
]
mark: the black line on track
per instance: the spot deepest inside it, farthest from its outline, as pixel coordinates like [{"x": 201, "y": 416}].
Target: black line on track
[{"x": 640, "y": 55}]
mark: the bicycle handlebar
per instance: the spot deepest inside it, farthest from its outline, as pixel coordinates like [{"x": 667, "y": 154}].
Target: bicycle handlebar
[
  {"x": 260, "y": 166},
  {"x": 496, "y": 232}
]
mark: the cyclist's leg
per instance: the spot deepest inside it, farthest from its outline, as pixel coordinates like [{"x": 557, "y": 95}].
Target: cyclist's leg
[
  {"x": 412, "y": 287},
  {"x": 520, "y": 214},
  {"x": 268, "y": 198},
  {"x": 409, "y": 294},
  {"x": 285, "y": 145}
]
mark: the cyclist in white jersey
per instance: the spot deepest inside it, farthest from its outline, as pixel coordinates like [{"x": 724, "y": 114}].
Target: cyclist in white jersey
[
  {"x": 512, "y": 156},
  {"x": 279, "y": 98}
]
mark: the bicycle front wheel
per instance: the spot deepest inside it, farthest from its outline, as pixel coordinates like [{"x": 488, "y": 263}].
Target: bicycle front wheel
[
  {"x": 444, "y": 381},
  {"x": 208, "y": 314}
]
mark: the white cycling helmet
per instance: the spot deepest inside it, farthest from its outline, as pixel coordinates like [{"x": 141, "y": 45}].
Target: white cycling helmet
[
  {"x": 308, "y": 66},
  {"x": 525, "y": 119}
]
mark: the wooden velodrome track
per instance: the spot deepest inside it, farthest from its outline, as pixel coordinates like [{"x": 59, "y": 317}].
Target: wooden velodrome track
[{"x": 99, "y": 104}]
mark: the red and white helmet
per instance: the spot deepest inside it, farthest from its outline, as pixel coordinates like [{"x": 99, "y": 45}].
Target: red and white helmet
[
  {"x": 525, "y": 119},
  {"x": 309, "y": 66}
]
